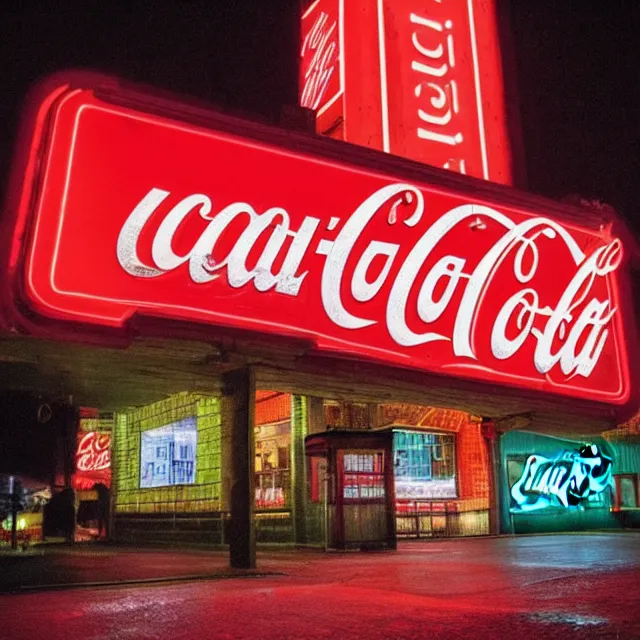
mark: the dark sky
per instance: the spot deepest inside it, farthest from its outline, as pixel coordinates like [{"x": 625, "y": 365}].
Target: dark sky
[
  {"x": 576, "y": 72},
  {"x": 577, "y": 68}
]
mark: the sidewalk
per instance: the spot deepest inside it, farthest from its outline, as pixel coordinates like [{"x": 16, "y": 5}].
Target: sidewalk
[
  {"x": 53, "y": 566},
  {"x": 60, "y": 566},
  {"x": 557, "y": 587}
]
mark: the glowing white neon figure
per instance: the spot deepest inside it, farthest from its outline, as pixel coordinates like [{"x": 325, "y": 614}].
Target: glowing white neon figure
[
  {"x": 565, "y": 481},
  {"x": 444, "y": 101},
  {"x": 458, "y": 165}
]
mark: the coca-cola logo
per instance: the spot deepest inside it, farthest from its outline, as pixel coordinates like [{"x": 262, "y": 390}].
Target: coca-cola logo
[
  {"x": 94, "y": 452},
  {"x": 408, "y": 287},
  {"x": 132, "y": 213}
]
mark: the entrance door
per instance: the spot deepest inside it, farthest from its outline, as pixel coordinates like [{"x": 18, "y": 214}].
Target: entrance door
[{"x": 361, "y": 492}]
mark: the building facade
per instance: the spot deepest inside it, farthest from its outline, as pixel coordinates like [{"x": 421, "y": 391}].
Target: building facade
[{"x": 172, "y": 473}]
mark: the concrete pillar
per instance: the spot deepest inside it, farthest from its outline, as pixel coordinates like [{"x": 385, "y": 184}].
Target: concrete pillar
[
  {"x": 490, "y": 436},
  {"x": 116, "y": 432},
  {"x": 299, "y": 420},
  {"x": 70, "y": 424},
  {"x": 239, "y": 404},
  {"x": 503, "y": 493},
  {"x": 15, "y": 502}
]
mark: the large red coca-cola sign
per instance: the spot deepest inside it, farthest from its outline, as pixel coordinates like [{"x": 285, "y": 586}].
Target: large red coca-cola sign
[{"x": 133, "y": 212}]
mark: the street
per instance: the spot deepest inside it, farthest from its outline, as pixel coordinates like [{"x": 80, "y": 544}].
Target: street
[{"x": 554, "y": 586}]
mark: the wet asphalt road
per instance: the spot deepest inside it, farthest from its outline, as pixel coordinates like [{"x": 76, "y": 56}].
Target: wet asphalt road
[{"x": 561, "y": 586}]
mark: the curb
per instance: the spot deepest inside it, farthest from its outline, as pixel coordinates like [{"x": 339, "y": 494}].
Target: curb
[{"x": 137, "y": 581}]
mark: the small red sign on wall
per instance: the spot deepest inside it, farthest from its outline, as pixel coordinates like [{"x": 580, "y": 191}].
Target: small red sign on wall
[
  {"x": 124, "y": 211},
  {"x": 93, "y": 459},
  {"x": 94, "y": 452}
]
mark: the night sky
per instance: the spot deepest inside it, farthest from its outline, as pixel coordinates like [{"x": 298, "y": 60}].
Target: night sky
[
  {"x": 576, "y": 72},
  {"x": 579, "y": 95}
]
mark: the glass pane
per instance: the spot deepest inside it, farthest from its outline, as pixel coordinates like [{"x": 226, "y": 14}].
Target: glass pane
[
  {"x": 424, "y": 465},
  {"x": 363, "y": 475},
  {"x": 363, "y": 462},
  {"x": 272, "y": 476},
  {"x": 628, "y": 492},
  {"x": 167, "y": 454},
  {"x": 363, "y": 486}
]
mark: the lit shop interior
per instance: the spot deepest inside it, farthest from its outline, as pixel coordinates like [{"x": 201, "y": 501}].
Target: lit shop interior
[
  {"x": 428, "y": 466},
  {"x": 326, "y": 473}
]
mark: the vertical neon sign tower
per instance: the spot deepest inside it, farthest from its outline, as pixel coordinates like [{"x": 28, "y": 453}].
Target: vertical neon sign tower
[{"x": 418, "y": 79}]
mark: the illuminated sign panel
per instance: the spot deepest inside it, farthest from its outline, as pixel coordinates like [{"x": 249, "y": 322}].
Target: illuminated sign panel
[
  {"x": 566, "y": 481},
  {"x": 94, "y": 452},
  {"x": 168, "y": 454},
  {"x": 424, "y": 465},
  {"x": 321, "y": 65},
  {"x": 420, "y": 79},
  {"x": 137, "y": 213},
  {"x": 93, "y": 459},
  {"x": 434, "y": 108},
  {"x": 320, "y": 80}
]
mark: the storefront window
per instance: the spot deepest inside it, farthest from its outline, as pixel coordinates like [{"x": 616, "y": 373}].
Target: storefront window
[
  {"x": 627, "y": 491},
  {"x": 272, "y": 473},
  {"x": 168, "y": 454},
  {"x": 424, "y": 465},
  {"x": 363, "y": 475}
]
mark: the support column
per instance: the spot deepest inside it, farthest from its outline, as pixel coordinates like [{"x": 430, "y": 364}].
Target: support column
[
  {"x": 299, "y": 418},
  {"x": 239, "y": 404},
  {"x": 493, "y": 458},
  {"x": 116, "y": 433},
  {"x": 15, "y": 505},
  {"x": 70, "y": 424},
  {"x": 503, "y": 493}
]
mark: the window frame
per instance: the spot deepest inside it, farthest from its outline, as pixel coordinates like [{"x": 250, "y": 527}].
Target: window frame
[{"x": 635, "y": 477}]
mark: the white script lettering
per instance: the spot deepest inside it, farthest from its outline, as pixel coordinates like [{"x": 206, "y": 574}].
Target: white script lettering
[{"x": 570, "y": 329}]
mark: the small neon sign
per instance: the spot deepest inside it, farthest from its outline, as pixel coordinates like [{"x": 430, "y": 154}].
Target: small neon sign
[
  {"x": 566, "y": 481},
  {"x": 94, "y": 452}
]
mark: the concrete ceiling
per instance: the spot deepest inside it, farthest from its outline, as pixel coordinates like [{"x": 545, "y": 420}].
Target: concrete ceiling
[
  {"x": 110, "y": 378},
  {"x": 150, "y": 370},
  {"x": 509, "y": 408}
]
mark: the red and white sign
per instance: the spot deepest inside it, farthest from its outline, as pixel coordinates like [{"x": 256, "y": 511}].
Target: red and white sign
[
  {"x": 320, "y": 80},
  {"x": 420, "y": 79},
  {"x": 94, "y": 452},
  {"x": 93, "y": 460},
  {"x": 135, "y": 213}
]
